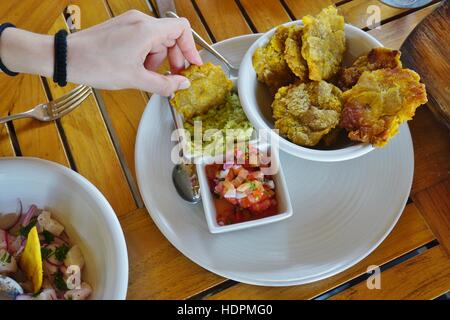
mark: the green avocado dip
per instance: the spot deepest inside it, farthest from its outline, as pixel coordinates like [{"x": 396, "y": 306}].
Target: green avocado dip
[{"x": 215, "y": 127}]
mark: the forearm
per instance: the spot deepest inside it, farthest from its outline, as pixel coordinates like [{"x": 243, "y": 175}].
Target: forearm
[{"x": 26, "y": 52}]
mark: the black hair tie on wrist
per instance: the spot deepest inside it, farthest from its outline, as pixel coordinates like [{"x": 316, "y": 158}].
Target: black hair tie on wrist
[
  {"x": 60, "y": 69},
  {"x": 3, "y": 27}
]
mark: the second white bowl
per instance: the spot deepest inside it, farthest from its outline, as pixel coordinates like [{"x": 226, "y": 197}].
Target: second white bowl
[{"x": 256, "y": 99}]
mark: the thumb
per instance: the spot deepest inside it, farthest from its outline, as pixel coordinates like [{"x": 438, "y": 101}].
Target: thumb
[{"x": 164, "y": 85}]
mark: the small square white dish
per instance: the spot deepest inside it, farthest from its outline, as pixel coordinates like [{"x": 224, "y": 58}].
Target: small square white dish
[{"x": 281, "y": 193}]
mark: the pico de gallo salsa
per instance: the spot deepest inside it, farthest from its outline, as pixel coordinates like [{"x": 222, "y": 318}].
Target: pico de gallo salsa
[{"x": 242, "y": 192}]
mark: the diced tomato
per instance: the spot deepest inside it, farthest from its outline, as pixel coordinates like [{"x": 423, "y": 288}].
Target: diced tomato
[
  {"x": 244, "y": 203},
  {"x": 261, "y": 206},
  {"x": 224, "y": 210},
  {"x": 211, "y": 171}
]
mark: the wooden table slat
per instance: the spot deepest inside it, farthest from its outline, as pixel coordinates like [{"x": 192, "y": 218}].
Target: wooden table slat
[
  {"x": 121, "y": 6},
  {"x": 431, "y": 150},
  {"x": 357, "y": 12},
  {"x": 266, "y": 14},
  {"x": 434, "y": 204},
  {"x": 410, "y": 233},
  {"x": 157, "y": 269},
  {"x": 186, "y": 9},
  {"x": 394, "y": 33},
  {"x": 36, "y": 16},
  {"x": 224, "y": 18},
  {"x": 426, "y": 276},
  {"x": 302, "y": 8},
  {"x": 36, "y": 139}
]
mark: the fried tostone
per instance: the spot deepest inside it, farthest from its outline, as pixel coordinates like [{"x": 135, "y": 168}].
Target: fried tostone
[
  {"x": 380, "y": 101},
  {"x": 209, "y": 88},
  {"x": 269, "y": 63},
  {"x": 293, "y": 53},
  {"x": 305, "y": 112},
  {"x": 323, "y": 43},
  {"x": 377, "y": 58}
]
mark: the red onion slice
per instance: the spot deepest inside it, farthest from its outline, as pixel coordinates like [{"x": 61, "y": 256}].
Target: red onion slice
[
  {"x": 19, "y": 212},
  {"x": 30, "y": 213}
]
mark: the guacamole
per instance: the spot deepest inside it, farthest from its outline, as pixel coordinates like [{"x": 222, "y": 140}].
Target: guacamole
[{"x": 221, "y": 118}]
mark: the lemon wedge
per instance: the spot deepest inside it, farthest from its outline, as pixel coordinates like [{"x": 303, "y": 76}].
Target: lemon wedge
[{"x": 31, "y": 260}]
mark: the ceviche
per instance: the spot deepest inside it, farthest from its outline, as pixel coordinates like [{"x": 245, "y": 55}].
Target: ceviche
[
  {"x": 242, "y": 191},
  {"x": 37, "y": 253}
]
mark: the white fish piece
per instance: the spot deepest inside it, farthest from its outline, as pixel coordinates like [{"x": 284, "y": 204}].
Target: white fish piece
[{"x": 51, "y": 225}]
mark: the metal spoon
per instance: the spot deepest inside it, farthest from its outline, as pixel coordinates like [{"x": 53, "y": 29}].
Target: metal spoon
[
  {"x": 9, "y": 288},
  {"x": 184, "y": 176},
  {"x": 233, "y": 71}
]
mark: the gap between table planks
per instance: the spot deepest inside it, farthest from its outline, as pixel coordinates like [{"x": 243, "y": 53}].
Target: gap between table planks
[{"x": 425, "y": 276}]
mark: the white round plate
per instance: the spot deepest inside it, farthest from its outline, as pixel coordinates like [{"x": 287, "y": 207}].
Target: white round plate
[{"x": 342, "y": 210}]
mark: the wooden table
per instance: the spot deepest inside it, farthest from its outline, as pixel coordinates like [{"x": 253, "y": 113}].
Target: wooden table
[{"x": 97, "y": 140}]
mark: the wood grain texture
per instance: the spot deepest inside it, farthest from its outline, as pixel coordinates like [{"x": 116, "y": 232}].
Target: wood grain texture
[
  {"x": 21, "y": 93},
  {"x": 410, "y": 233},
  {"x": 90, "y": 143},
  {"x": 36, "y": 139},
  {"x": 431, "y": 150},
  {"x": 224, "y": 18},
  {"x": 187, "y": 10},
  {"x": 6, "y": 147},
  {"x": 426, "y": 276},
  {"x": 302, "y": 8},
  {"x": 430, "y": 42},
  {"x": 358, "y": 12},
  {"x": 394, "y": 33},
  {"x": 120, "y": 6},
  {"x": 266, "y": 14},
  {"x": 34, "y": 15},
  {"x": 434, "y": 204},
  {"x": 157, "y": 269}
]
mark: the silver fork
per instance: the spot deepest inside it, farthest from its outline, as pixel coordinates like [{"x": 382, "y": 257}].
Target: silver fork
[{"x": 55, "y": 109}]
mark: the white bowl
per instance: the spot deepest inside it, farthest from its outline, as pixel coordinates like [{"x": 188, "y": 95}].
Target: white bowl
[
  {"x": 256, "y": 99},
  {"x": 85, "y": 213},
  {"x": 281, "y": 191}
]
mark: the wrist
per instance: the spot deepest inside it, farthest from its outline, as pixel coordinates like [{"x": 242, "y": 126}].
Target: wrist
[{"x": 26, "y": 52}]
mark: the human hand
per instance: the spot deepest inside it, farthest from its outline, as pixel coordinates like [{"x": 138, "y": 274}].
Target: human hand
[{"x": 126, "y": 51}]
